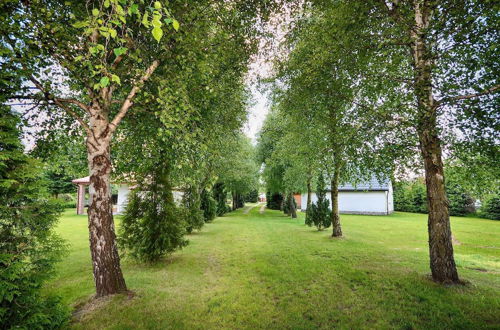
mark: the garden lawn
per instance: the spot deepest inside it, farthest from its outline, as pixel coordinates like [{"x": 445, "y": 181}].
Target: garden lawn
[{"x": 265, "y": 271}]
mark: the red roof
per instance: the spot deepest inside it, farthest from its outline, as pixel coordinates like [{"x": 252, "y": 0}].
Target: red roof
[{"x": 85, "y": 180}]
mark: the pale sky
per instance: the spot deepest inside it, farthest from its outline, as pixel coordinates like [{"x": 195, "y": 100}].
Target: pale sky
[
  {"x": 256, "y": 114},
  {"x": 261, "y": 67}
]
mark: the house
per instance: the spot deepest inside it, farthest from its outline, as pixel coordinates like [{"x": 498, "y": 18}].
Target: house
[
  {"x": 82, "y": 183},
  {"x": 124, "y": 189},
  {"x": 372, "y": 197}
]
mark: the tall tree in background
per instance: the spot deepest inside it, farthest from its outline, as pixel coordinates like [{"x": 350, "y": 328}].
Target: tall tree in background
[
  {"x": 321, "y": 82},
  {"x": 267, "y": 143},
  {"x": 239, "y": 171}
]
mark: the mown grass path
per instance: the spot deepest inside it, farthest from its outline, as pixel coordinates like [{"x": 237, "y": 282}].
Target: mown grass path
[{"x": 267, "y": 271}]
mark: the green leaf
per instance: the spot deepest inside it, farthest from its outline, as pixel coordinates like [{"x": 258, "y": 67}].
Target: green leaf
[
  {"x": 145, "y": 21},
  {"x": 119, "y": 10},
  {"x": 80, "y": 24},
  {"x": 95, "y": 12},
  {"x": 157, "y": 4},
  {"x": 120, "y": 51},
  {"x": 106, "y": 4},
  {"x": 175, "y": 24},
  {"x": 112, "y": 32},
  {"x": 116, "y": 79},
  {"x": 156, "y": 20},
  {"x": 104, "y": 81},
  {"x": 157, "y": 33}
]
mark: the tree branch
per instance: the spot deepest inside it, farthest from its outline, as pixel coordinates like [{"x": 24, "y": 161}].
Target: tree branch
[
  {"x": 128, "y": 101},
  {"x": 62, "y": 103},
  {"x": 72, "y": 113},
  {"x": 467, "y": 96},
  {"x": 393, "y": 12}
]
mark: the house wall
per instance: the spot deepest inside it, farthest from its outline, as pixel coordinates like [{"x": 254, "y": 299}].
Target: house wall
[
  {"x": 178, "y": 196},
  {"x": 123, "y": 194},
  {"x": 123, "y": 191},
  {"x": 359, "y": 202}
]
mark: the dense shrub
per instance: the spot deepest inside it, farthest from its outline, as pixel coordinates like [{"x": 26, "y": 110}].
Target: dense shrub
[
  {"x": 252, "y": 196},
  {"x": 460, "y": 202},
  {"x": 319, "y": 214},
  {"x": 491, "y": 208},
  {"x": 153, "y": 226},
  {"x": 274, "y": 201},
  {"x": 410, "y": 196},
  {"x": 208, "y": 205},
  {"x": 288, "y": 203},
  {"x": 220, "y": 196},
  {"x": 67, "y": 201},
  {"x": 29, "y": 248},
  {"x": 192, "y": 210}
]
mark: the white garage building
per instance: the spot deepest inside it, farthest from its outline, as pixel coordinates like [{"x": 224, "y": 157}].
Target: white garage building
[{"x": 374, "y": 197}]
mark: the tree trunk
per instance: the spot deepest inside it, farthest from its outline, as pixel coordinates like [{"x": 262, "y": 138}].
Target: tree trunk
[
  {"x": 309, "y": 194},
  {"x": 108, "y": 276},
  {"x": 442, "y": 262},
  {"x": 293, "y": 210},
  {"x": 334, "y": 193},
  {"x": 286, "y": 204}
]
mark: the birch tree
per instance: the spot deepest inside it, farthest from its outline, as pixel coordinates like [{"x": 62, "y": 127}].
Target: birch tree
[
  {"x": 444, "y": 54},
  {"x": 92, "y": 60},
  {"x": 451, "y": 50}
]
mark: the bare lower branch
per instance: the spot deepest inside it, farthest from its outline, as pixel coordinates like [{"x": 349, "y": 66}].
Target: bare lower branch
[
  {"x": 49, "y": 97},
  {"x": 117, "y": 61},
  {"x": 72, "y": 113},
  {"x": 128, "y": 101},
  {"x": 61, "y": 102}
]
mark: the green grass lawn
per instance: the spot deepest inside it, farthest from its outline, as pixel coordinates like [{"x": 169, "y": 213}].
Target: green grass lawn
[{"x": 268, "y": 271}]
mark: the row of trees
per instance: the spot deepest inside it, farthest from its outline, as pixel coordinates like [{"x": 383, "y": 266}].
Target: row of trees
[
  {"x": 153, "y": 91},
  {"x": 362, "y": 87}
]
